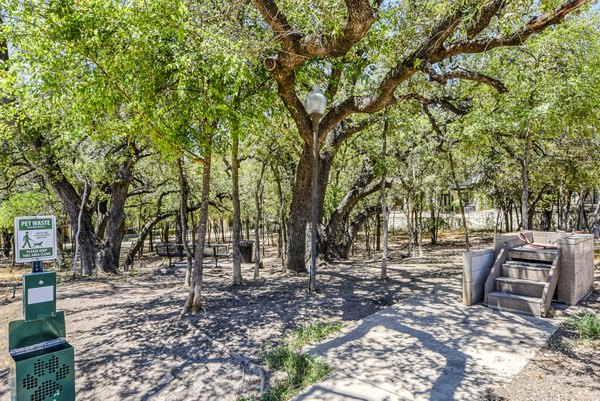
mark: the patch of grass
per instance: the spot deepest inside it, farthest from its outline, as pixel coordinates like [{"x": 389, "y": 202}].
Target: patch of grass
[
  {"x": 587, "y": 326},
  {"x": 313, "y": 333},
  {"x": 301, "y": 369}
]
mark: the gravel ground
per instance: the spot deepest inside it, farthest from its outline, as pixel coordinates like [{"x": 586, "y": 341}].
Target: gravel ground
[
  {"x": 132, "y": 344},
  {"x": 565, "y": 369}
]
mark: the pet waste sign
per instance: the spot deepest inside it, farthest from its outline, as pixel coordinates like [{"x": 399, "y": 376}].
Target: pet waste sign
[{"x": 35, "y": 238}]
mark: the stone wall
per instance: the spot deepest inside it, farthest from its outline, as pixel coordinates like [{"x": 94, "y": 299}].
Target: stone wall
[
  {"x": 476, "y": 268},
  {"x": 576, "y": 278}
]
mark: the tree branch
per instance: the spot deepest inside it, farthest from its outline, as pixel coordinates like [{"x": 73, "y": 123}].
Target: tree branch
[
  {"x": 278, "y": 24},
  {"x": 517, "y": 38},
  {"x": 465, "y": 74},
  {"x": 485, "y": 16}
]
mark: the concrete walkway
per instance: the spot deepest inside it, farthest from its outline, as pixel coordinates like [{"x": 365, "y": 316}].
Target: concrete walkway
[{"x": 429, "y": 347}]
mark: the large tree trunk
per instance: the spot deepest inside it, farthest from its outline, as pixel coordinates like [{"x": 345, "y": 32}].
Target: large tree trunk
[
  {"x": 344, "y": 246},
  {"x": 95, "y": 253},
  {"x": 193, "y": 302},
  {"x": 237, "y": 219},
  {"x": 299, "y": 211},
  {"x": 301, "y": 191},
  {"x": 110, "y": 251},
  {"x": 335, "y": 239}
]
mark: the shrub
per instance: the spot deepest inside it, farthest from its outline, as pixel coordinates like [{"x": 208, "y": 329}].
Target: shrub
[{"x": 587, "y": 326}]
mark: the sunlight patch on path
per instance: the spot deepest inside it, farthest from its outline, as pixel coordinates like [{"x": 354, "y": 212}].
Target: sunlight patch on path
[{"x": 429, "y": 347}]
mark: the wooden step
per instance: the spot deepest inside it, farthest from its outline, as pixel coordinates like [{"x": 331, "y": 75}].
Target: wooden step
[
  {"x": 514, "y": 303},
  {"x": 517, "y": 286},
  {"x": 534, "y": 254},
  {"x": 526, "y": 271}
]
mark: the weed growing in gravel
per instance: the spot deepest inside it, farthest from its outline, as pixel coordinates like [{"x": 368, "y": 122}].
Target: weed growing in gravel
[
  {"x": 300, "y": 368},
  {"x": 587, "y": 326},
  {"x": 313, "y": 333}
]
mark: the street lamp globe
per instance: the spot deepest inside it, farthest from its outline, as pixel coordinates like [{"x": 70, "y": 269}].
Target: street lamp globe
[{"x": 315, "y": 102}]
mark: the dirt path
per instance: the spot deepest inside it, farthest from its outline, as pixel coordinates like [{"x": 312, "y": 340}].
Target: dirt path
[
  {"x": 131, "y": 343},
  {"x": 565, "y": 369}
]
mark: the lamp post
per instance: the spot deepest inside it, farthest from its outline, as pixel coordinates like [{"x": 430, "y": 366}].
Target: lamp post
[{"x": 315, "y": 105}]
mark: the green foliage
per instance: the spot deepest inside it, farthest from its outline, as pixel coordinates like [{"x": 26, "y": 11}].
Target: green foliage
[
  {"x": 21, "y": 204},
  {"x": 587, "y": 326}
]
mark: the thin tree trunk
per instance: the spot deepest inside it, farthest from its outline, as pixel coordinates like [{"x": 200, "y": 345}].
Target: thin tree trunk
[
  {"x": 420, "y": 237},
  {"x": 378, "y": 233},
  {"x": 525, "y": 177},
  {"x": 247, "y": 227},
  {"x": 409, "y": 228},
  {"x": 433, "y": 227},
  {"x": 193, "y": 302},
  {"x": 237, "y": 219},
  {"x": 367, "y": 239},
  {"x": 384, "y": 209},
  {"x": 257, "y": 202},
  {"x": 81, "y": 208},
  {"x": 460, "y": 199},
  {"x": 183, "y": 215}
]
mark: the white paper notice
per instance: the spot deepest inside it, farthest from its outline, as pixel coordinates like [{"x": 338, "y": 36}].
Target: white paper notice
[{"x": 40, "y": 294}]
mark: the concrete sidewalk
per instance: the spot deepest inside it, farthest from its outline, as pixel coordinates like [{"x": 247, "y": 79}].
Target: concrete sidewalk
[{"x": 429, "y": 347}]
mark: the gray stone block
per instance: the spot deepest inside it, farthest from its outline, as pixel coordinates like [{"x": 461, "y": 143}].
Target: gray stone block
[
  {"x": 476, "y": 269},
  {"x": 570, "y": 287},
  {"x": 514, "y": 303},
  {"x": 512, "y": 239},
  {"x": 567, "y": 266}
]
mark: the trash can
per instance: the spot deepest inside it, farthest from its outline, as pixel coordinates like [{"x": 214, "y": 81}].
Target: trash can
[
  {"x": 246, "y": 250},
  {"x": 42, "y": 361}
]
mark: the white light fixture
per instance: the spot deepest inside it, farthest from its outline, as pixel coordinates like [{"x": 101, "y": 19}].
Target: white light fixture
[{"x": 315, "y": 102}]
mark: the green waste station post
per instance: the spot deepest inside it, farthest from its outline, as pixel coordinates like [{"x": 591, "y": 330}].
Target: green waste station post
[{"x": 42, "y": 361}]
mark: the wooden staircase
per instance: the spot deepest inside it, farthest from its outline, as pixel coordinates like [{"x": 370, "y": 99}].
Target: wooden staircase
[{"x": 523, "y": 280}]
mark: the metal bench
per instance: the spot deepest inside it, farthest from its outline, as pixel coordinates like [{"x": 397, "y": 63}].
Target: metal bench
[{"x": 215, "y": 251}]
